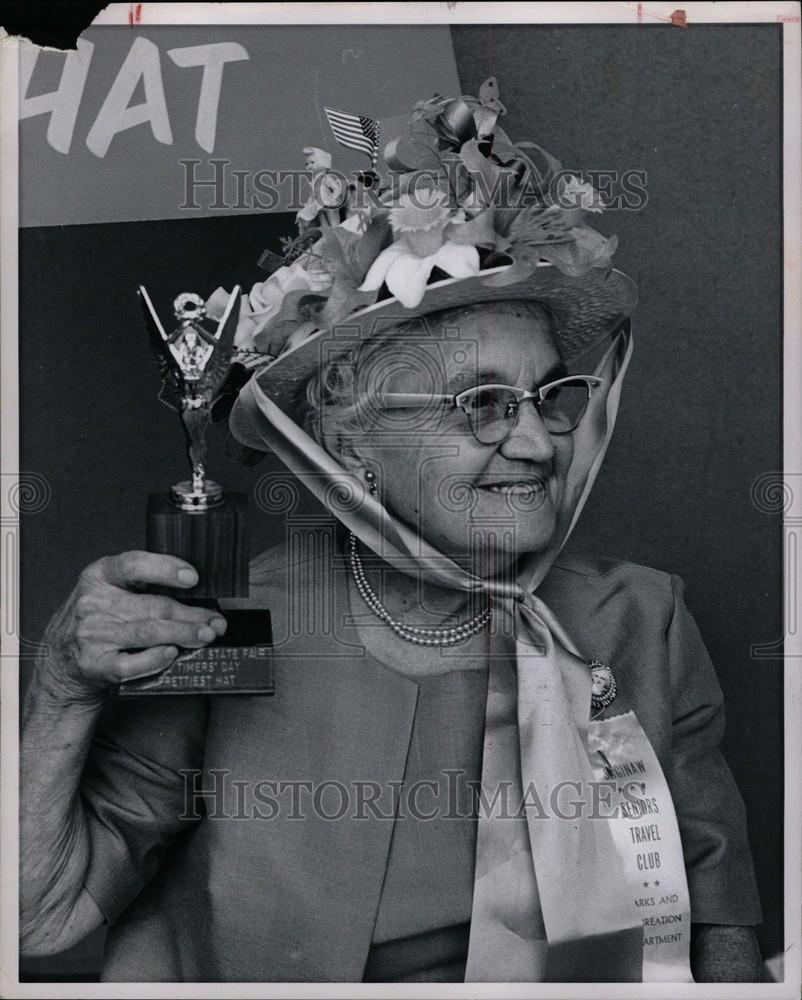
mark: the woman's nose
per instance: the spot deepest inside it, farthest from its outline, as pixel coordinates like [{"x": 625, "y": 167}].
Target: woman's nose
[{"x": 528, "y": 438}]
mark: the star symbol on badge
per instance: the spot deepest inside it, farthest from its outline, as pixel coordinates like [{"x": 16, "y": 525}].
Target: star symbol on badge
[
  {"x": 657, "y": 883},
  {"x": 645, "y": 885}
]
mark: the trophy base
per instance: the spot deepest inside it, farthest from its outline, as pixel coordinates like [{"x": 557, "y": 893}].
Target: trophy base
[
  {"x": 239, "y": 662},
  {"x": 213, "y": 539}
]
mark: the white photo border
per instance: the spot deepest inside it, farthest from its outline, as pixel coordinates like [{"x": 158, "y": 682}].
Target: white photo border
[{"x": 13, "y": 480}]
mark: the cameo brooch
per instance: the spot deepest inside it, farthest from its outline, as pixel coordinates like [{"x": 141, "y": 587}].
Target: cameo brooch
[{"x": 603, "y": 688}]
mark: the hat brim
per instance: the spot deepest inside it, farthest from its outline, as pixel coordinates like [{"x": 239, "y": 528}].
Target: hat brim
[{"x": 585, "y": 310}]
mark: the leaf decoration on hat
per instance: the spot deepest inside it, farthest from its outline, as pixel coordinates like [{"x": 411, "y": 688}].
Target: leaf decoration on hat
[
  {"x": 530, "y": 231},
  {"x": 578, "y": 197},
  {"x": 345, "y": 298},
  {"x": 534, "y": 180},
  {"x": 489, "y": 110},
  {"x": 492, "y": 184},
  {"x": 348, "y": 257},
  {"x": 488, "y": 96},
  {"x": 543, "y": 234},
  {"x": 349, "y": 254},
  {"x": 477, "y": 232},
  {"x": 549, "y": 166},
  {"x": 587, "y": 249},
  {"x": 537, "y": 225},
  {"x": 524, "y": 262}
]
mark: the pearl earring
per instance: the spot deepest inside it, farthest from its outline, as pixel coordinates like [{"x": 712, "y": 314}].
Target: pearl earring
[{"x": 371, "y": 479}]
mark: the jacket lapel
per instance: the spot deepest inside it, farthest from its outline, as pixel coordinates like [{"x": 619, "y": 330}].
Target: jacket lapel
[{"x": 341, "y": 725}]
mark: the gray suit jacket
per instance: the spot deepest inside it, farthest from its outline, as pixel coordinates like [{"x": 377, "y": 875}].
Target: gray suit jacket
[{"x": 257, "y": 886}]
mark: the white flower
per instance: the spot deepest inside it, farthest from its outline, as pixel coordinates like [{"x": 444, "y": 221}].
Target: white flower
[
  {"x": 425, "y": 224},
  {"x": 266, "y": 297},
  {"x": 423, "y": 210},
  {"x": 406, "y": 273}
]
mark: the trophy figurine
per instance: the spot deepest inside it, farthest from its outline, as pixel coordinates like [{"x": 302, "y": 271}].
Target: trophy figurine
[
  {"x": 195, "y": 364},
  {"x": 197, "y": 520}
]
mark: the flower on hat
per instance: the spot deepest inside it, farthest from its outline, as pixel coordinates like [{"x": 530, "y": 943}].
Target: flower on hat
[
  {"x": 424, "y": 220},
  {"x": 423, "y": 214},
  {"x": 266, "y": 298},
  {"x": 406, "y": 274},
  {"x": 460, "y": 197}
]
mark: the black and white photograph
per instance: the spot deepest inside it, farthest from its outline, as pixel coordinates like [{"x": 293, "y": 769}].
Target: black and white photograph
[{"x": 401, "y": 491}]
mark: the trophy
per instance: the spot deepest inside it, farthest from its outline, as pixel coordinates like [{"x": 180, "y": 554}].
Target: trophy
[{"x": 197, "y": 520}]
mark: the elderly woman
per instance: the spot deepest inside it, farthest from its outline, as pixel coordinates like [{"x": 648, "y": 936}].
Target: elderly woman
[{"x": 484, "y": 760}]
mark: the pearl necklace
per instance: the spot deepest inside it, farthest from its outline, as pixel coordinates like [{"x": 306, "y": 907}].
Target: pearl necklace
[{"x": 411, "y": 633}]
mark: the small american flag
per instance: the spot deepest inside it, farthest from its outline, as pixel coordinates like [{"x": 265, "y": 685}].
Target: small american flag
[{"x": 355, "y": 132}]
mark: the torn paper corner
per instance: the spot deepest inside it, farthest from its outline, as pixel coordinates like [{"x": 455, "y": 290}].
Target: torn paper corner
[{"x": 50, "y": 41}]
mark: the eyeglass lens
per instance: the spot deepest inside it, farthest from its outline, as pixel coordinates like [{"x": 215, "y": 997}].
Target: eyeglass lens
[{"x": 492, "y": 412}]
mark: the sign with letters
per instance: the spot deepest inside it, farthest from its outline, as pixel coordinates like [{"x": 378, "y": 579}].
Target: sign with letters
[{"x": 216, "y": 113}]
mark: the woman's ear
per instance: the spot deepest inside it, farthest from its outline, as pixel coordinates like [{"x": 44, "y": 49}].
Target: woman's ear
[{"x": 341, "y": 447}]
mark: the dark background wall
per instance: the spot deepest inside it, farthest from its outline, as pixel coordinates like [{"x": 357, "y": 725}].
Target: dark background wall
[{"x": 699, "y": 110}]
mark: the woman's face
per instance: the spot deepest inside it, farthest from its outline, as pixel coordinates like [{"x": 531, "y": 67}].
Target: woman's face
[{"x": 484, "y": 505}]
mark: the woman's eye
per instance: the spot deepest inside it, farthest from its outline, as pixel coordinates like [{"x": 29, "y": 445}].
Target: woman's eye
[{"x": 483, "y": 399}]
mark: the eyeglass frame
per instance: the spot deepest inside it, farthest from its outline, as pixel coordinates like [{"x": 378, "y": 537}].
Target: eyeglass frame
[{"x": 404, "y": 400}]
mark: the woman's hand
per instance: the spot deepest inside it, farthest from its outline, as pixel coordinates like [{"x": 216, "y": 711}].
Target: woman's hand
[{"x": 107, "y": 631}]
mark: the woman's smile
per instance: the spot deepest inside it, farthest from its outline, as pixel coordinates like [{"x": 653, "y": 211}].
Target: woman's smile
[{"x": 516, "y": 487}]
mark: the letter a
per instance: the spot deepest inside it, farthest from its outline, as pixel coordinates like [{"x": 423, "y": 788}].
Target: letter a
[{"x": 116, "y": 116}]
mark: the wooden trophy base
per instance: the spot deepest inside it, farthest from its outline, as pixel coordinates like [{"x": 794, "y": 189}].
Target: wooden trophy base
[{"x": 214, "y": 540}]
